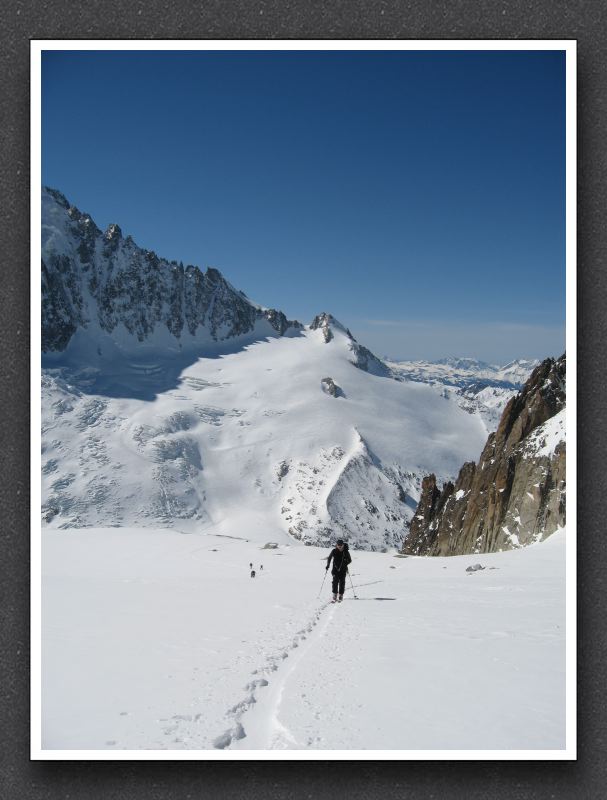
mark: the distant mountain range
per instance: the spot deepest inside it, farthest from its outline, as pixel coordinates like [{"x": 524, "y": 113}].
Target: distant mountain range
[
  {"x": 477, "y": 387},
  {"x": 466, "y": 373}
]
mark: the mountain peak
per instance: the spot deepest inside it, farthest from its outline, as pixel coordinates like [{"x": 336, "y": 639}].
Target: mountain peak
[
  {"x": 214, "y": 275},
  {"x": 57, "y": 196},
  {"x": 326, "y": 322},
  {"x": 113, "y": 232}
]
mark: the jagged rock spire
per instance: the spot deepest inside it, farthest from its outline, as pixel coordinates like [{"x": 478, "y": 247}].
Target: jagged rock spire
[{"x": 515, "y": 494}]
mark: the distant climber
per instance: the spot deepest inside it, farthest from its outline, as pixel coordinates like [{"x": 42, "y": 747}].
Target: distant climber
[
  {"x": 252, "y": 573},
  {"x": 341, "y": 558},
  {"x": 261, "y": 566}
]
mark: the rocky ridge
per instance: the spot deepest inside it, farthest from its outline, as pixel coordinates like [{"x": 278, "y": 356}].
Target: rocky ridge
[
  {"x": 103, "y": 280},
  {"x": 515, "y": 494},
  {"x": 362, "y": 357},
  {"x": 346, "y": 493}
]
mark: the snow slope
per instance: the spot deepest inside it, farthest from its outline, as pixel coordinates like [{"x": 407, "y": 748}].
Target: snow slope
[
  {"x": 171, "y": 399},
  {"x": 158, "y": 442},
  {"x": 154, "y": 639}
]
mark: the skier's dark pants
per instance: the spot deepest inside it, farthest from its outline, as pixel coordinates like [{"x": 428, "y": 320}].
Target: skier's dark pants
[{"x": 339, "y": 582}]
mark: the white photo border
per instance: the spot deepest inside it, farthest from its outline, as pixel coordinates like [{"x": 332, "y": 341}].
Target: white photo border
[{"x": 569, "y": 47}]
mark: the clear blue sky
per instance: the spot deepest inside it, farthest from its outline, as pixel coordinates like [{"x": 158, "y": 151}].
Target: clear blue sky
[{"x": 417, "y": 196}]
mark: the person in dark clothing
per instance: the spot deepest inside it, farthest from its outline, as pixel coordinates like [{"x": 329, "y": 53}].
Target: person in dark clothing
[{"x": 340, "y": 555}]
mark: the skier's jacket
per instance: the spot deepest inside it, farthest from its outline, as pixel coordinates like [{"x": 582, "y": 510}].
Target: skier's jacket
[{"x": 341, "y": 559}]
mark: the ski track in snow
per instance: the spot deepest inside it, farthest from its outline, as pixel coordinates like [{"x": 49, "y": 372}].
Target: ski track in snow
[
  {"x": 273, "y": 732},
  {"x": 269, "y": 674}
]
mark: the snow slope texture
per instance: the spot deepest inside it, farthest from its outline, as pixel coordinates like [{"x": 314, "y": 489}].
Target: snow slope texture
[
  {"x": 251, "y": 431},
  {"x": 158, "y": 640}
]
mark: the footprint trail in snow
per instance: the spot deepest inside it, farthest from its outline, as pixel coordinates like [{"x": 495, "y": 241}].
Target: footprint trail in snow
[{"x": 265, "y": 731}]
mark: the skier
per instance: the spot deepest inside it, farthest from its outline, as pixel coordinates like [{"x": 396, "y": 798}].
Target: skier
[{"x": 341, "y": 558}]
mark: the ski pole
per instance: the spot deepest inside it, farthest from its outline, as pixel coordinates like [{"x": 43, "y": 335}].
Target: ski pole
[
  {"x": 351, "y": 584},
  {"x": 323, "y": 583}
]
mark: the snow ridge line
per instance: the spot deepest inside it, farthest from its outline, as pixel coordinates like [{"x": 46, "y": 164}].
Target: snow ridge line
[{"x": 236, "y": 730}]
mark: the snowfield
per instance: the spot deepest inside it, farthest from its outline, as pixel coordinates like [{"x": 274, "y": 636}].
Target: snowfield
[
  {"x": 161, "y": 640},
  {"x": 159, "y": 442}
]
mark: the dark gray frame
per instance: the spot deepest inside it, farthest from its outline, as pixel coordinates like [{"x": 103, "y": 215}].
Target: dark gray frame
[{"x": 294, "y": 19}]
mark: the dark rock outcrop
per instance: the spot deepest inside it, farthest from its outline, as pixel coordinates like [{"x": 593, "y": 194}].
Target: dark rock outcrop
[
  {"x": 91, "y": 279},
  {"x": 330, "y": 386},
  {"x": 323, "y": 323},
  {"x": 515, "y": 495},
  {"x": 361, "y": 357},
  {"x": 364, "y": 359}
]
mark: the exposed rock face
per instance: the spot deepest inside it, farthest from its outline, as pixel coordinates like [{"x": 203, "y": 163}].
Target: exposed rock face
[
  {"x": 515, "y": 495},
  {"x": 365, "y": 360},
  {"x": 90, "y": 278},
  {"x": 330, "y": 386},
  {"x": 361, "y": 356},
  {"x": 323, "y": 322}
]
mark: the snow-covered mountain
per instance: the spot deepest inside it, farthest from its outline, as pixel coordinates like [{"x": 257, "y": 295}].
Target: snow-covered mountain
[
  {"x": 249, "y": 440},
  {"x": 165, "y": 404},
  {"x": 102, "y": 294}
]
